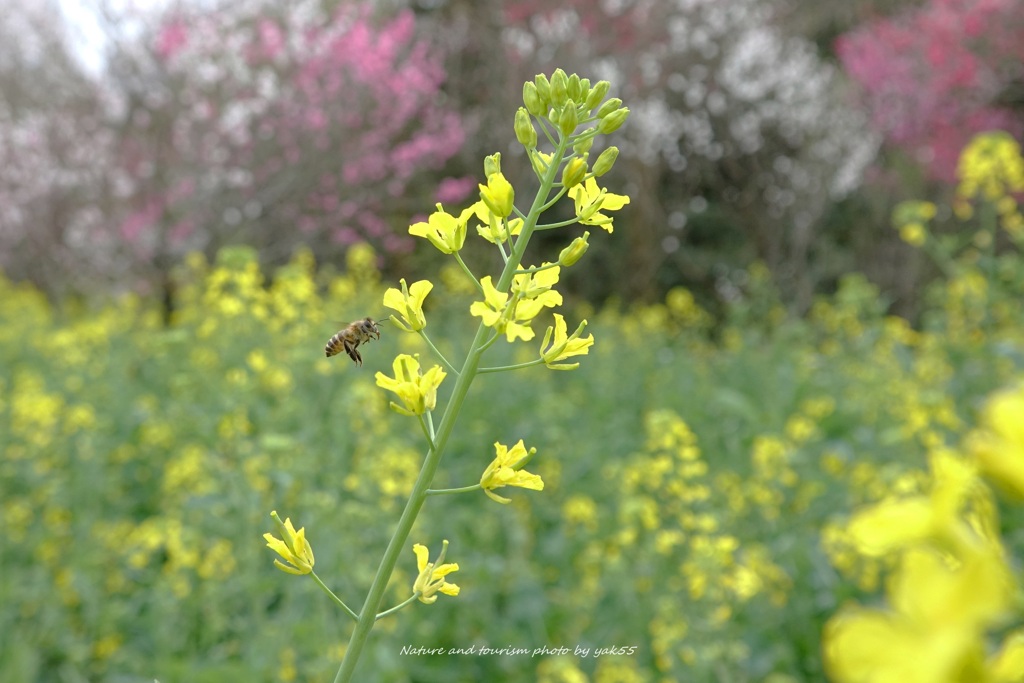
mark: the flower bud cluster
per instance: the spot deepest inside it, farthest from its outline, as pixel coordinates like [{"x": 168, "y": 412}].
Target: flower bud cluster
[{"x": 566, "y": 102}]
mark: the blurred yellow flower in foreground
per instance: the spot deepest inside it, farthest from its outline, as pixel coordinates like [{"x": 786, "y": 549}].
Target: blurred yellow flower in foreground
[
  {"x": 998, "y": 446},
  {"x": 898, "y": 523},
  {"x": 934, "y": 631}
]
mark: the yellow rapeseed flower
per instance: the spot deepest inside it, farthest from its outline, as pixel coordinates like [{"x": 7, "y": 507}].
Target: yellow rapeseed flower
[
  {"x": 513, "y": 318},
  {"x": 409, "y": 303},
  {"x": 564, "y": 346},
  {"x": 498, "y": 195},
  {"x": 495, "y": 229},
  {"x": 294, "y": 549},
  {"x": 418, "y": 391},
  {"x": 506, "y": 470},
  {"x": 591, "y": 200},
  {"x": 430, "y": 579},
  {"x": 443, "y": 230}
]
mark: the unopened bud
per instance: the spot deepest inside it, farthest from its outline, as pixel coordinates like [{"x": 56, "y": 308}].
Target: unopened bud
[
  {"x": 544, "y": 90},
  {"x": 605, "y": 161},
  {"x": 492, "y": 164},
  {"x": 559, "y": 88},
  {"x": 539, "y": 165},
  {"x": 597, "y": 93},
  {"x": 575, "y": 251},
  {"x": 525, "y": 132},
  {"x": 574, "y": 172},
  {"x": 613, "y": 121},
  {"x": 584, "y": 143},
  {"x": 573, "y": 88},
  {"x": 498, "y": 194},
  {"x": 568, "y": 119},
  {"x": 531, "y": 98},
  {"x": 584, "y": 90},
  {"x": 608, "y": 107}
]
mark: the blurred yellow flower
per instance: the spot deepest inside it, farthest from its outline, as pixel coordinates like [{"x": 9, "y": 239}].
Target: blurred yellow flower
[
  {"x": 898, "y": 523},
  {"x": 294, "y": 549},
  {"x": 934, "y": 631},
  {"x": 913, "y": 234},
  {"x": 991, "y": 165},
  {"x": 430, "y": 579},
  {"x": 1007, "y": 665},
  {"x": 998, "y": 446},
  {"x": 506, "y": 470}
]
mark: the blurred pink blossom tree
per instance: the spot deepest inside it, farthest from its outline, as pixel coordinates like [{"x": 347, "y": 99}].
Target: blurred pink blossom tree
[
  {"x": 276, "y": 125},
  {"x": 936, "y": 75},
  {"x": 280, "y": 126}
]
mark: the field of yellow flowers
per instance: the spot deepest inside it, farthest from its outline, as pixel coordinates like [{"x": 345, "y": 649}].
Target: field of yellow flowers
[{"x": 765, "y": 500}]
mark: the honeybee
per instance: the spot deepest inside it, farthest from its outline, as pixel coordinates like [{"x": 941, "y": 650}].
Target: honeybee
[{"x": 348, "y": 339}]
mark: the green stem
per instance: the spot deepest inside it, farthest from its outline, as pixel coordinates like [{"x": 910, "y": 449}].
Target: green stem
[
  {"x": 550, "y": 203},
  {"x": 468, "y": 272},
  {"x": 517, "y": 366},
  {"x": 430, "y": 426},
  {"x": 394, "y": 609},
  {"x": 426, "y": 431},
  {"x": 547, "y": 133},
  {"x": 334, "y": 597},
  {"x": 436, "y": 352},
  {"x": 560, "y": 224},
  {"x": 462, "y": 489},
  {"x": 490, "y": 342},
  {"x": 368, "y": 613}
]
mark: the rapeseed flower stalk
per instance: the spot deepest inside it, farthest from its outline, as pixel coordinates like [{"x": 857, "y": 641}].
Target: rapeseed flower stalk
[
  {"x": 980, "y": 261},
  {"x": 567, "y": 113}
]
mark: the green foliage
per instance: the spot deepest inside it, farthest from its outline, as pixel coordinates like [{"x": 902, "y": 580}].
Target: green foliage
[{"x": 693, "y": 488}]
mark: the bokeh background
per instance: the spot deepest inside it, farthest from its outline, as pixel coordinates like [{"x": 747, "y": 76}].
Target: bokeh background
[{"x": 817, "y": 281}]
